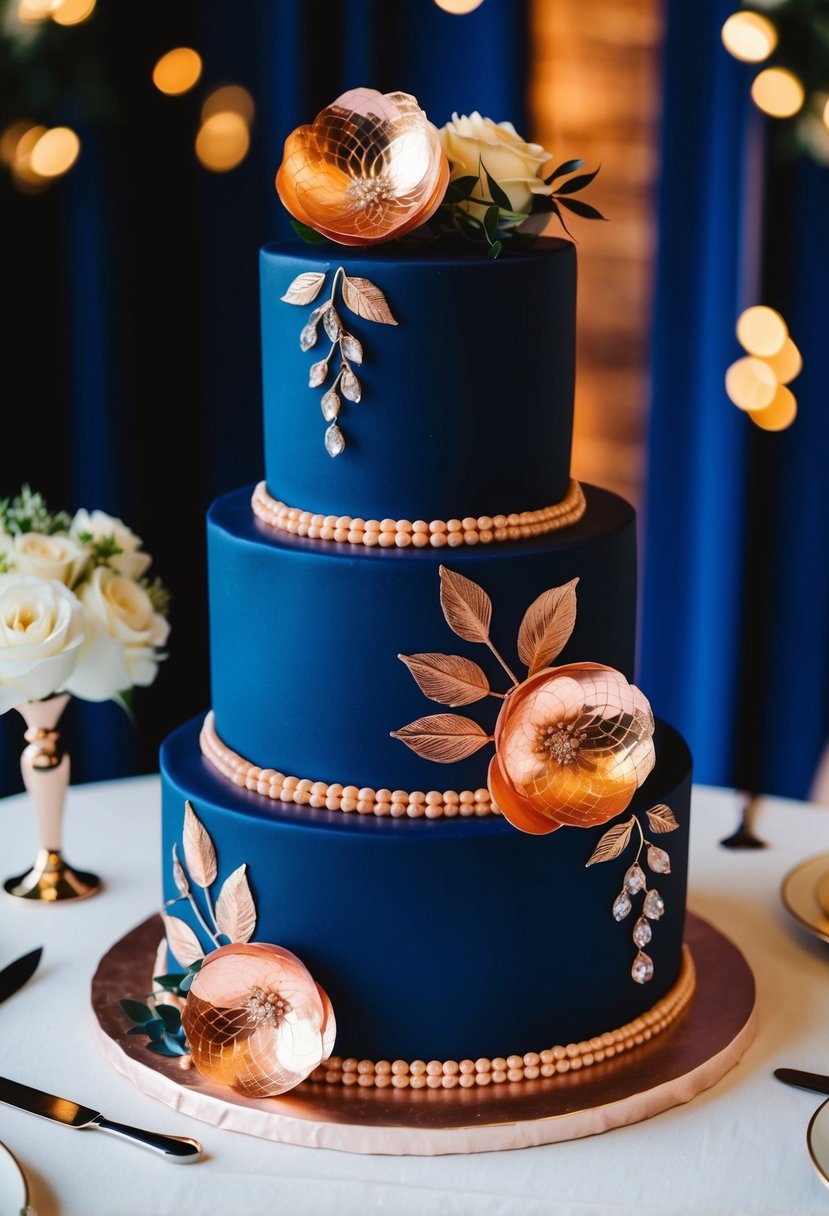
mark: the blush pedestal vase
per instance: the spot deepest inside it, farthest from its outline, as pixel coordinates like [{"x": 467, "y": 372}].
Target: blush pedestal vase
[{"x": 45, "y": 771}]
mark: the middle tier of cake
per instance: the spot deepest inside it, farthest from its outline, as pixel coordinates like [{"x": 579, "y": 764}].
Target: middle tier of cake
[{"x": 305, "y": 638}]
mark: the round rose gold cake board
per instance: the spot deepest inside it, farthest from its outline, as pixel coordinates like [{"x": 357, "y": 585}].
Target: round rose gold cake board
[{"x": 671, "y": 1069}]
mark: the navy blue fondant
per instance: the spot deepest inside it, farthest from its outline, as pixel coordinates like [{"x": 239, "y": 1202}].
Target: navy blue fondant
[
  {"x": 305, "y": 636},
  {"x": 467, "y": 405},
  {"x": 444, "y": 939}
]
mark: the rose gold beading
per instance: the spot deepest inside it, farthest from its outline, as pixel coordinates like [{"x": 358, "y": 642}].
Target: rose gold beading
[
  {"x": 402, "y": 533},
  {"x": 396, "y": 804},
  {"x": 447, "y": 1074}
]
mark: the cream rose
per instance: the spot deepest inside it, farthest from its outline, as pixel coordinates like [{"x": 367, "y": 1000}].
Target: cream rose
[
  {"x": 42, "y": 634},
  {"x": 474, "y": 144},
  {"x": 100, "y": 526},
  {"x": 58, "y": 557},
  {"x": 125, "y": 611}
]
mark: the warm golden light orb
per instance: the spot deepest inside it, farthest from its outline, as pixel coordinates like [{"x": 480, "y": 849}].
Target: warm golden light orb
[
  {"x": 222, "y": 142},
  {"x": 749, "y": 36},
  {"x": 787, "y": 363},
  {"x": 55, "y": 152},
  {"x": 779, "y": 414},
  {"x": 177, "y": 71},
  {"x": 778, "y": 92},
  {"x": 229, "y": 99},
  {"x": 459, "y": 6},
  {"x": 761, "y": 330},
  {"x": 30, "y": 11},
  {"x": 11, "y": 138},
  {"x": 72, "y": 12},
  {"x": 751, "y": 384}
]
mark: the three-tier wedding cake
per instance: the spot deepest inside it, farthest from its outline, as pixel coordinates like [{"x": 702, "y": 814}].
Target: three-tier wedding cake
[{"x": 418, "y": 538}]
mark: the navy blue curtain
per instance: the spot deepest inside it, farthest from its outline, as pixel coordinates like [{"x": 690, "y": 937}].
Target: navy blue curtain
[
  {"x": 735, "y": 624},
  {"x": 133, "y": 282}
]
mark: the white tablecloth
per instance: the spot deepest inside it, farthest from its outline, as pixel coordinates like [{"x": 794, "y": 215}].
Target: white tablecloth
[{"x": 737, "y": 1148}]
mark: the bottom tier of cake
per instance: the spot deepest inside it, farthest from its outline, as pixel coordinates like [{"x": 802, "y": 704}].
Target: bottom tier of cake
[{"x": 446, "y": 939}]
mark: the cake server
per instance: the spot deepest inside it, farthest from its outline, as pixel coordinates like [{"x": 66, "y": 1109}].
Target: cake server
[
  {"x": 17, "y": 973},
  {"x": 179, "y": 1149},
  {"x": 815, "y": 1081}
]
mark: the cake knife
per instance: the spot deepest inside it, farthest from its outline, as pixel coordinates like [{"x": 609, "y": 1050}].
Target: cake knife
[
  {"x": 178, "y": 1149},
  {"x": 13, "y": 977}
]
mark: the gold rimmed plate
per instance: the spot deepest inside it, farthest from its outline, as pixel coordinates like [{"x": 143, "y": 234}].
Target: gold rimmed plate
[
  {"x": 14, "y": 1193},
  {"x": 817, "y": 1142},
  {"x": 805, "y": 894}
]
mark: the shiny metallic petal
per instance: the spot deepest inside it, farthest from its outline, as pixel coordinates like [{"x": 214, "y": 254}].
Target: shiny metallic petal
[
  {"x": 573, "y": 743},
  {"x": 369, "y": 169},
  {"x": 255, "y": 1019}
]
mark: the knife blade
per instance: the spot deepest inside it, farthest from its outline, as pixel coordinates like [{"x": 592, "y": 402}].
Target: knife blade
[
  {"x": 17, "y": 973},
  {"x": 815, "y": 1081},
  {"x": 180, "y": 1149}
]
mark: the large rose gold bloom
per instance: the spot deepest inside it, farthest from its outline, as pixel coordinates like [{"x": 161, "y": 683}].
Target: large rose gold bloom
[
  {"x": 368, "y": 169},
  {"x": 572, "y": 745},
  {"x": 256, "y": 1021}
]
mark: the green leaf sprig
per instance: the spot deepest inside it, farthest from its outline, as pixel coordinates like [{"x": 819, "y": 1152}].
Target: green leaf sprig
[{"x": 159, "y": 1022}]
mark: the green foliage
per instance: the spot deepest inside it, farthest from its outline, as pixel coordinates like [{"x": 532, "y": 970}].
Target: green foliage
[
  {"x": 159, "y": 595},
  {"x": 309, "y": 235},
  {"x": 28, "y": 512},
  {"x": 162, "y": 1023}
]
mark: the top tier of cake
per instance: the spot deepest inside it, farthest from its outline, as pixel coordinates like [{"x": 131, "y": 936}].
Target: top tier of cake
[{"x": 467, "y": 403}]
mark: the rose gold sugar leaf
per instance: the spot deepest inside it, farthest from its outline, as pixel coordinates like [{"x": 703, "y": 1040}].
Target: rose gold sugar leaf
[
  {"x": 367, "y": 300},
  {"x": 613, "y": 842},
  {"x": 179, "y": 877},
  {"x": 547, "y": 625},
  {"x": 235, "y": 909},
  {"x": 466, "y": 606},
  {"x": 443, "y": 738},
  {"x": 662, "y": 819},
  {"x": 199, "y": 853},
  {"x": 182, "y": 941},
  {"x": 447, "y": 678},
  {"x": 305, "y": 288}
]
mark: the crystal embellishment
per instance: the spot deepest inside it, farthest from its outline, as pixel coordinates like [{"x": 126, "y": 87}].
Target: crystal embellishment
[
  {"x": 654, "y": 905},
  {"x": 350, "y": 385},
  {"x": 334, "y": 440},
  {"x": 352, "y": 349},
  {"x": 635, "y": 879},
  {"x": 363, "y": 298},
  {"x": 317, "y": 374},
  {"x": 330, "y": 405},
  {"x": 621, "y": 906},
  {"x": 642, "y": 932},
  {"x": 642, "y": 969},
  {"x": 658, "y": 860}
]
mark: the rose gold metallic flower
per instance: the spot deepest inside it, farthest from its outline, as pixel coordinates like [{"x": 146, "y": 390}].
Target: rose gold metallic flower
[
  {"x": 572, "y": 745},
  {"x": 256, "y": 1021},
  {"x": 368, "y": 169}
]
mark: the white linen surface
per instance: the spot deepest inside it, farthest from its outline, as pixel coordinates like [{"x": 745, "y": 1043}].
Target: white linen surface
[{"x": 737, "y": 1148}]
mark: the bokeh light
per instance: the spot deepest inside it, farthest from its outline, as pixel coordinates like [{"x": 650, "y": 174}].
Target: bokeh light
[
  {"x": 29, "y": 11},
  {"x": 177, "y": 71},
  {"x": 749, "y": 36},
  {"x": 787, "y": 363},
  {"x": 458, "y": 6},
  {"x": 826, "y": 113},
  {"x": 761, "y": 330},
  {"x": 22, "y": 171},
  {"x": 55, "y": 152},
  {"x": 751, "y": 384},
  {"x": 229, "y": 99},
  {"x": 72, "y": 12},
  {"x": 778, "y": 92},
  {"x": 11, "y": 138},
  {"x": 779, "y": 414},
  {"x": 222, "y": 142}
]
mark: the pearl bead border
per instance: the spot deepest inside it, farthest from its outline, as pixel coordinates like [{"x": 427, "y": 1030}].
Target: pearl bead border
[
  {"x": 401, "y": 533},
  {"x": 395, "y": 804},
  {"x": 554, "y": 1061}
]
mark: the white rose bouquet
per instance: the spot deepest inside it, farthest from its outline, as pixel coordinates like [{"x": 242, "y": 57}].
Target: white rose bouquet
[
  {"x": 497, "y": 185},
  {"x": 78, "y": 613}
]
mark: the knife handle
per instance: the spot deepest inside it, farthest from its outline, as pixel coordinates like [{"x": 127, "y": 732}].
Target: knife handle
[{"x": 178, "y": 1149}]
